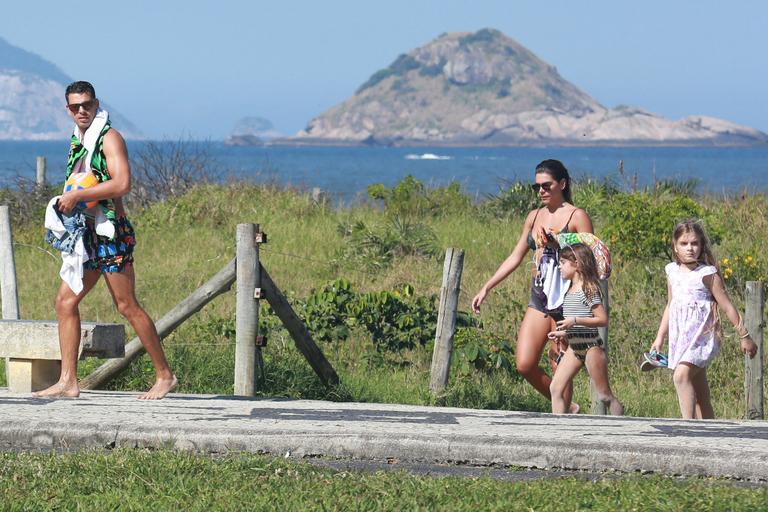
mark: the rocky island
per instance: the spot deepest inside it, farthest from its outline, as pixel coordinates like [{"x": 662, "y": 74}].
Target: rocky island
[{"x": 484, "y": 88}]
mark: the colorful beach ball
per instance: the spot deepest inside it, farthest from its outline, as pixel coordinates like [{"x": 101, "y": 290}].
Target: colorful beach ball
[{"x": 79, "y": 181}]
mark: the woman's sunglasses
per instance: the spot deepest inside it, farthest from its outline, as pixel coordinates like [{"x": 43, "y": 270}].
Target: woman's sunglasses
[
  {"x": 542, "y": 186},
  {"x": 75, "y": 107}
]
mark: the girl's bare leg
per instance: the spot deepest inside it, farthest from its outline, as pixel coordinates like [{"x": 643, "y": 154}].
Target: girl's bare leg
[
  {"x": 597, "y": 367},
  {"x": 122, "y": 287},
  {"x": 562, "y": 381},
  {"x": 701, "y": 388},
  {"x": 686, "y": 392}
]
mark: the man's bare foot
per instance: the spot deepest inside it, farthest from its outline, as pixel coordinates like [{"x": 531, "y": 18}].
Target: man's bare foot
[
  {"x": 574, "y": 408},
  {"x": 161, "y": 388},
  {"x": 59, "y": 390}
]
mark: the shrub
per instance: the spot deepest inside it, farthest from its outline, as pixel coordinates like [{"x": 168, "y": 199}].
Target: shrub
[
  {"x": 376, "y": 247},
  {"x": 476, "y": 349},
  {"x": 518, "y": 199},
  {"x": 640, "y": 224},
  {"x": 27, "y": 201},
  {"x": 740, "y": 267},
  {"x": 396, "y": 320},
  {"x": 167, "y": 169},
  {"x": 411, "y": 198}
]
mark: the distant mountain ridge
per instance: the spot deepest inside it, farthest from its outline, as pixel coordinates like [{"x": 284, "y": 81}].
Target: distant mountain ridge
[
  {"x": 484, "y": 88},
  {"x": 32, "y": 99}
]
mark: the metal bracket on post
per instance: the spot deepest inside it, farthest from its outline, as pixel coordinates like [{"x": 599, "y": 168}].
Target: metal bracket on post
[
  {"x": 258, "y": 293},
  {"x": 260, "y": 238},
  {"x": 261, "y": 341}
]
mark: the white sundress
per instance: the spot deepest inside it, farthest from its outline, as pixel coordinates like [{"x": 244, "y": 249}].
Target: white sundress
[{"x": 693, "y": 329}]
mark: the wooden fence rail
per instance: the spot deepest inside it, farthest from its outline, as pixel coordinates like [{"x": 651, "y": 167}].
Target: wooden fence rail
[{"x": 214, "y": 287}]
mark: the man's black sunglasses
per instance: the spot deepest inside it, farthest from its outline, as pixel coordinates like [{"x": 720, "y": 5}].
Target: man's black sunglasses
[{"x": 75, "y": 107}]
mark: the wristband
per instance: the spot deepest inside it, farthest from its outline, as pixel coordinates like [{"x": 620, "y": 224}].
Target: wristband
[{"x": 746, "y": 335}]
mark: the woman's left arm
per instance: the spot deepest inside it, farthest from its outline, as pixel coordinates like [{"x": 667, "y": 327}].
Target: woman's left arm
[{"x": 580, "y": 222}]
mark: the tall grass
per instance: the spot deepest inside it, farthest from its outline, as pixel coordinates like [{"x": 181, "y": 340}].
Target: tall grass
[{"x": 182, "y": 241}]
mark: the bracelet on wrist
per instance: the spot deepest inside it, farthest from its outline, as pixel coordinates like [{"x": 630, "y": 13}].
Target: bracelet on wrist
[{"x": 745, "y": 335}]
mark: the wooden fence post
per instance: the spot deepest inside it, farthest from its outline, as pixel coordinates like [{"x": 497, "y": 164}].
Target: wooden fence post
[
  {"x": 754, "y": 306},
  {"x": 446, "y": 320},
  {"x": 41, "y": 171},
  {"x": 247, "y": 310},
  {"x": 598, "y": 407},
  {"x": 9, "y": 296},
  {"x": 8, "y": 292}
]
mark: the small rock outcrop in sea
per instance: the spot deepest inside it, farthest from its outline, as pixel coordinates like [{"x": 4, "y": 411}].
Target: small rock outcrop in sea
[
  {"x": 252, "y": 131},
  {"x": 484, "y": 88},
  {"x": 32, "y": 105}
]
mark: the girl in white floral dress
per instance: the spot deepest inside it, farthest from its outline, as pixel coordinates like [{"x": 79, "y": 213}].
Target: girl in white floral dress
[{"x": 691, "y": 321}]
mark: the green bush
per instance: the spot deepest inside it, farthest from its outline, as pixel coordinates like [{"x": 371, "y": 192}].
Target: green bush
[
  {"x": 515, "y": 201},
  {"x": 376, "y": 248},
  {"x": 639, "y": 224},
  {"x": 325, "y": 311},
  {"x": 395, "y": 320},
  {"x": 476, "y": 349},
  {"x": 411, "y": 198}
]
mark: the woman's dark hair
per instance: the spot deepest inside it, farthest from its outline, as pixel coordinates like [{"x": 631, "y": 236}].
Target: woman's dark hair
[{"x": 557, "y": 170}]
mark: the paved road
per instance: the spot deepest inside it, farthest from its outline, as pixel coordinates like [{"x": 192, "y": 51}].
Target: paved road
[{"x": 216, "y": 424}]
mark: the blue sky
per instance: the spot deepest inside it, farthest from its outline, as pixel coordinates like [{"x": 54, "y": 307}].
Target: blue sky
[{"x": 194, "y": 68}]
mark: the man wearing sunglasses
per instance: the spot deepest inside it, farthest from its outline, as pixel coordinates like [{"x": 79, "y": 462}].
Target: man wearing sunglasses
[{"x": 97, "y": 148}]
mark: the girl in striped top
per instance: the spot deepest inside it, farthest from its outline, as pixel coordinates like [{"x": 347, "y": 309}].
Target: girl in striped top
[{"x": 583, "y": 313}]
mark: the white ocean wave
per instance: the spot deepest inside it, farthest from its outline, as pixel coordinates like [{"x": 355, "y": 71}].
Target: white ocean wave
[{"x": 428, "y": 156}]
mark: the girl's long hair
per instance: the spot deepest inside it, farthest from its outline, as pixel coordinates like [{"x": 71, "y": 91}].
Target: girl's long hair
[
  {"x": 706, "y": 257},
  {"x": 587, "y": 267},
  {"x": 694, "y": 226}
]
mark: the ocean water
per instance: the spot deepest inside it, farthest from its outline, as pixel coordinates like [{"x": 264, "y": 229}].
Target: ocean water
[{"x": 345, "y": 172}]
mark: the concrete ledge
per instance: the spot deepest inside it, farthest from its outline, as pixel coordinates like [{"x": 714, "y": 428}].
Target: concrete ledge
[
  {"x": 215, "y": 424},
  {"x": 36, "y": 339}
]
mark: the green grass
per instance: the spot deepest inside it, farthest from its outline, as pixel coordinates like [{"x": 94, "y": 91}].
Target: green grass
[
  {"x": 185, "y": 240},
  {"x": 127, "y": 479}
]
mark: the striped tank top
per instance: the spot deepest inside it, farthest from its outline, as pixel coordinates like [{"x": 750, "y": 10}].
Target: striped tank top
[{"x": 577, "y": 304}]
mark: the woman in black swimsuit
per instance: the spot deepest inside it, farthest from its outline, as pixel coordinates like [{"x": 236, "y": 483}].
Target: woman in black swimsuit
[{"x": 556, "y": 215}]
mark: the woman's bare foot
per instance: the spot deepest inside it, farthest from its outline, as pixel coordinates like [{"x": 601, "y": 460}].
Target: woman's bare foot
[
  {"x": 161, "y": 388},
  {"x": 574, "y": 408},
  {"x": 59, "y": 390},
  {"x": 615, "y": 408}
]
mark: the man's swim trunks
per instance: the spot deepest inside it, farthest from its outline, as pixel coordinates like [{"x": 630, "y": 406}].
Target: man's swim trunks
[{"x": 109, "y": 255}]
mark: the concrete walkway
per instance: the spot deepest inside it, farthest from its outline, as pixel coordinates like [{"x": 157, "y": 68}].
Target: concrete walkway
[{"x": 217, "y": 424}]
